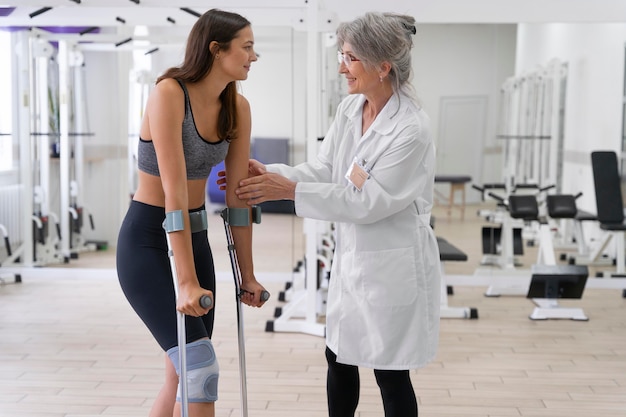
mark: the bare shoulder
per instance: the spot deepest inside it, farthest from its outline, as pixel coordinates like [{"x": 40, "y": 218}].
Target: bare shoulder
[
  {"x": 167, "y": 100},
  {"x": 242, "y": 103},
  {"x": 168, "y": 89}
]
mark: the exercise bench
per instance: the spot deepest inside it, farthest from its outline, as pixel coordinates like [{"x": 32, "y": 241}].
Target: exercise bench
[
  {"x": 457, "y": 183},
  {"x": 562, "y": 207},
  {"x": 610, "y": 206},
  {"x": 449, "y": 252}
]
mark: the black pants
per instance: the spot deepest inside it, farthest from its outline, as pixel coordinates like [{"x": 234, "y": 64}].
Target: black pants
[
  {"x": 343, "y": 384},
  {"x": 145, "y": 275}
]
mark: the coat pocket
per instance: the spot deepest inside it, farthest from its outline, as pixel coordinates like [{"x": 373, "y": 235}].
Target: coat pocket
[{"x": 388, "y": 277}]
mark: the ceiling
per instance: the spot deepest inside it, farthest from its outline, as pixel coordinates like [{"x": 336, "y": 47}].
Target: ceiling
[
  {"x": 113, "y": 24},
  {"x": 154, "y": 13},
  {"x": 294, "y": 12}
]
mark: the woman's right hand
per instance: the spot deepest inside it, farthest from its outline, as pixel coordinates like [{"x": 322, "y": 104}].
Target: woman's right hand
[
  {"x": 254, "y": 168},
  {"x": 188, "y": 301}
]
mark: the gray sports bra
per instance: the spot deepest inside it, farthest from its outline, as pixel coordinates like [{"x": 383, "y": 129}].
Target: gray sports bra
[{"x": 200, "y": 155}]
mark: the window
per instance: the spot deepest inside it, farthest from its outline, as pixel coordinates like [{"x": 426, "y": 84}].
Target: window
[
  {"x": 6, "y": 140},
  {"x": 622, "y": 160}
]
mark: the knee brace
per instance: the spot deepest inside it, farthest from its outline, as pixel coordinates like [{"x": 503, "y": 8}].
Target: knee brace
[{"x": 202, "y": 371}]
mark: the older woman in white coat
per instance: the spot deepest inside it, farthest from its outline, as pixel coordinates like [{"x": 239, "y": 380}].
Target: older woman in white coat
[{"x": 374, "y": 177}]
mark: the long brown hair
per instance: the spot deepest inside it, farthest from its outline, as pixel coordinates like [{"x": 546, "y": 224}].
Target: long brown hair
[{"x": 221, "y": 27}]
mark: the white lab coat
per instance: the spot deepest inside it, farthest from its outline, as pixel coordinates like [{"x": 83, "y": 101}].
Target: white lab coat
[{"x": 383, "y": 297}]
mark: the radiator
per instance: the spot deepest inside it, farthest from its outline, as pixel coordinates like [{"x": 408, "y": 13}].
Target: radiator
[{"x": 11, "y": 213}]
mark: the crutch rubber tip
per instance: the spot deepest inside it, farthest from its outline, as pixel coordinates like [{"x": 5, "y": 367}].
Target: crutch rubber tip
[
  {"x": 265, "y": 295},
  {"x": 206, "y": 301}
]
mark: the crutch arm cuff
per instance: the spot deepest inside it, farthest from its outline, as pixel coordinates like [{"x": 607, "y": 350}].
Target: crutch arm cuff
[
  {"x": 198, "y": 221},
  {"x": 238, "y": 216},
  {"x": 174, "y": 221}
]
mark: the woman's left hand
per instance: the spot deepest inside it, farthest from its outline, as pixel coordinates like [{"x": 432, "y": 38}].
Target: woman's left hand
[{"x": 266, "y": 187}]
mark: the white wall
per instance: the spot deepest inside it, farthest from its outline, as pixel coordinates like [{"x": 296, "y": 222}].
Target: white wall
[
  {"x": 270, "y": 83},
  {"x": 595, "y": 85},
  {"x": 465, "y": 60}
]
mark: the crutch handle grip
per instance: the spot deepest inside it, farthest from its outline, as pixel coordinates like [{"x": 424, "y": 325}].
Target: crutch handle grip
[
  {"x": 265, "y": 295},
  {"x": 206, "y": 301}
]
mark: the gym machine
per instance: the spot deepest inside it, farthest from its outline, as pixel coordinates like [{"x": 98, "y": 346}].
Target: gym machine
[
  {"x": 610, "y": 208},
  {"x": 53, "y": 96},
  {"x": 550, "y": 283},
  {"x": 39, "y": 241},
  {"x": 44, "y": 126},
  {"x": 522, "y": 210},
  {"x": 79, "y": 130},
  {"x": 530, "y": 126},
  {"x": 17, "y": 278},
  {"x": 305, "y": 296},
  {"x": 569, "y": 234}
]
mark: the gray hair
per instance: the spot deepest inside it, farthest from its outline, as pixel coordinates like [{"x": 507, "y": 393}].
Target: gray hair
[{"x": 378, "y": 37}]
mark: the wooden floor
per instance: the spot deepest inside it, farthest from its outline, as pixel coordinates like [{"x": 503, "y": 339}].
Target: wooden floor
[{"x": 70, "y": 346}]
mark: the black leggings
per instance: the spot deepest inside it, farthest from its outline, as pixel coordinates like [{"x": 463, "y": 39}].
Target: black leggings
[
  {"x": 343, "y": 384},
  {"x": 145, "y": 274}
]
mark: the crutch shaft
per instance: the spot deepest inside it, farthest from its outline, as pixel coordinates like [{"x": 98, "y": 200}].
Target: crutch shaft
[
  {"x": 182, "y": 359},
  {"x": 243, "y": 386},
  {"x": 181, "y": 336},
  {"x": 240, "y": 217}
]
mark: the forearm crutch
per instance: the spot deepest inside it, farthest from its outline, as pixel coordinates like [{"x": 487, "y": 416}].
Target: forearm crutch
[
  {"x": 240, "y": 217},
  {"x": 173, "y": 223}
]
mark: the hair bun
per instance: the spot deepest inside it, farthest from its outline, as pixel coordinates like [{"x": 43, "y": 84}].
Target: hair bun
[{"x": 410, "y": 28}]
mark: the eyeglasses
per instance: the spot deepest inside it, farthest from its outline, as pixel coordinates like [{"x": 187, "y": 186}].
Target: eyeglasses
[{"x": 345, "y": 58}]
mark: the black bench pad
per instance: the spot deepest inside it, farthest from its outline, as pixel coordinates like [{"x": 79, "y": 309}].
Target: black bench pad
[
  {"x": 448, "y": 252},
  {"x": 454, "y": 179}
]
